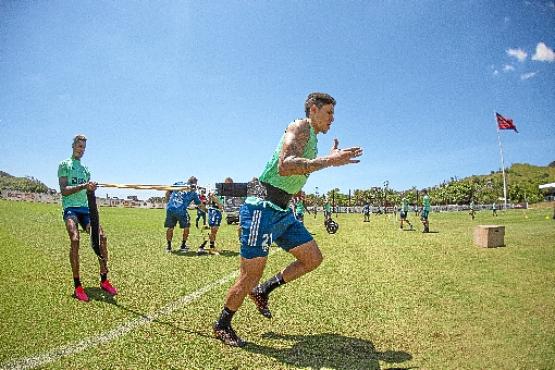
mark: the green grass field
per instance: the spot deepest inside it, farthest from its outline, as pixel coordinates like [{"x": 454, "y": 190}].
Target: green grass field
[{"x": 382, "y": 299}]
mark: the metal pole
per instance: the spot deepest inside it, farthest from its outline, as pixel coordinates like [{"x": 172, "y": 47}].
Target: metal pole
[{"x": 502, "y": 166}]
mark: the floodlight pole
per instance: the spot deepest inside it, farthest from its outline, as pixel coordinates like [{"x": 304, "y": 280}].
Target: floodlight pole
[{"x": 502, "y": 166}]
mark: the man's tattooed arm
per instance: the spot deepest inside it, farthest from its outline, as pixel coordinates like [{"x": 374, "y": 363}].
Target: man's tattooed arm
[{"x": 291, "y": 161}]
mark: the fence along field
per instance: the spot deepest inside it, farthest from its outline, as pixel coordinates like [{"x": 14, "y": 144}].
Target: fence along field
[{"x": 383, "y": 298}]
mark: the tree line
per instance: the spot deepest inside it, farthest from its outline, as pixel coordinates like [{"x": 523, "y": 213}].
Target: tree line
[{"x": 523, "y": 182}]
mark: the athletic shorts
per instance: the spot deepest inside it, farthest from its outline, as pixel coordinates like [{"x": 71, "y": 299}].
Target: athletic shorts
[
  {"x": 260, "y": 226},
  {"x": 300, "y": 216},
  {"x": 172, "y": 217},
  {"x": 403, "y": 215},
  {"x": 214, "y": 217},
  {"x": 424, "y": 215},
  {"x": 78, "y": 214}
]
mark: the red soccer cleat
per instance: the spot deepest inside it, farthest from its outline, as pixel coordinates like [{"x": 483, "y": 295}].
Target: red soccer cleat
[
  {"x": 80, "y": 294},
  {"x": 106, "y": 286}
]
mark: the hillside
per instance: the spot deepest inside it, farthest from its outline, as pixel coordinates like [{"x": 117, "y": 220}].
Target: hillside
[{"x": 25, "y": 184}]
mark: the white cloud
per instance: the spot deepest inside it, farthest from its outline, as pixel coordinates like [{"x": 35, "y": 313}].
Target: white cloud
[
  {"x": 495, "y": 72},
  {"x": 518, "y": 54},
  {"x": 544, "y": 53},
  {"x": 508, "y": 67},
  {"x": 527, "y": 76}
]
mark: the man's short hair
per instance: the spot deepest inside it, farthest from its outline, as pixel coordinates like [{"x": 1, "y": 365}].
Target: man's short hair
[
  {"x": 319, "y": 99},
  {"x": 192, "y": 180},
  {"x": 79, "y": 137}
]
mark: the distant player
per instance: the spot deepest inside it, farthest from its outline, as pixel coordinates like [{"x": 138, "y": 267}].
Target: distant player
[
  {"x": 327, "y": 210},
  {"x": 403, "y": 214},
  {"x": 201, "y": 211},
  {"x": 425, "y": 211},
  {"x": 494, "y": 209},
  {"x": 366, "y": 210},
  {"x": 215, "y": 209},
  {"x": 472, "y": 212},
  {"x": 176, "y": 211},
  {"x": 299, "y": 207}
]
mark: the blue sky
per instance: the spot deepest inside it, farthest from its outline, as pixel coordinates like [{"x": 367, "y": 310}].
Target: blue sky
[{"x": 165, "y": 90}]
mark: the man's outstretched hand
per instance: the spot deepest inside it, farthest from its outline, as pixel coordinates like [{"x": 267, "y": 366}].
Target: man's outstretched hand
[{"x": 341, "y": 157}]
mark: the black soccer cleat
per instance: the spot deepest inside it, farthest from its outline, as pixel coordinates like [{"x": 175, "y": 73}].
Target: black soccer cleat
[
  {"x": 227, "y": 335},
  {"x": 261, "y": 301}
]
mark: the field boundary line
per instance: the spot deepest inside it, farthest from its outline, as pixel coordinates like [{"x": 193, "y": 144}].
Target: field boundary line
[{"x": 71, "y": 349}]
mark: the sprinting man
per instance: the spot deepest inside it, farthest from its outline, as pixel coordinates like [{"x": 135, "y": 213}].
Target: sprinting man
[
  {"x": 404, "y": 212},
  {"x": 366, "y": 210},
  {"x": 472, "y": 212},
  {"x": 75, "y": 179},
  {"x": 425, "y": 211},
  {"x": 265, "y": 217},
  {"x": 176, "y": 211},
  {"x": 201, "y": 211}
]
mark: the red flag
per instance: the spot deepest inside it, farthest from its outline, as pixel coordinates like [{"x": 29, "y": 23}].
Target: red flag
[{"x": 505, "y": 123}]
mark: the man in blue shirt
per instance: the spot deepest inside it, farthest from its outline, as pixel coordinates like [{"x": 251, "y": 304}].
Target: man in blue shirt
[{"x": 176, "y": 211}]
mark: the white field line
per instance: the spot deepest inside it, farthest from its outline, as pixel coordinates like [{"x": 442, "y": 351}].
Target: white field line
[{"x": 71, "y": 349}]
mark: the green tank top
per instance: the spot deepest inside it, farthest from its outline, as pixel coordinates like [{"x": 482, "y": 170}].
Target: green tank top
[
  {"x": 294, "y": 183},
  {"x": 76, "y": 174}
]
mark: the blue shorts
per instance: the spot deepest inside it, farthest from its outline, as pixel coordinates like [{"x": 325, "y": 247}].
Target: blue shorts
[
  {"x": 403, "y": 215},
  {"x": 78, "y": 214},
  {"x": 260, "y": 226},
  {"x": 214, "y": 217},
  {"x": 172, "y": 217},
  {"x": 424, "y": 215}
]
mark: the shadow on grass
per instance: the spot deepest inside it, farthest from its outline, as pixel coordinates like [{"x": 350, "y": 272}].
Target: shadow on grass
[
  {"x": 193, "y": 253},
  {"x": 328, "y": 350},
  {"x": 97, "y": 294},
  {"x": 142, "y": 315}
]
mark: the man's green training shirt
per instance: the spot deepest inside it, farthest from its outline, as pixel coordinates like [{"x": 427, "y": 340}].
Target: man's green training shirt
[
  {"x": 76, "y": 174},
  {"x": 290, "y": 184}
]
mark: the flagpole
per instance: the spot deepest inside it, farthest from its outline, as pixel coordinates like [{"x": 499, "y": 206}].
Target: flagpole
[{"x": 502, "y": 163}]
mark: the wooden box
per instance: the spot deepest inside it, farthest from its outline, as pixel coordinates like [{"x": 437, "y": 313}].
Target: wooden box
[{"x": 489, "y": 236}]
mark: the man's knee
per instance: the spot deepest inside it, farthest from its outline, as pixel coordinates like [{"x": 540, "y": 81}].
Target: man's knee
[
  {"x": 309, "y": 255},
  {"x": 316, "y": 260},
  {"x": 74, "y": 240}
]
